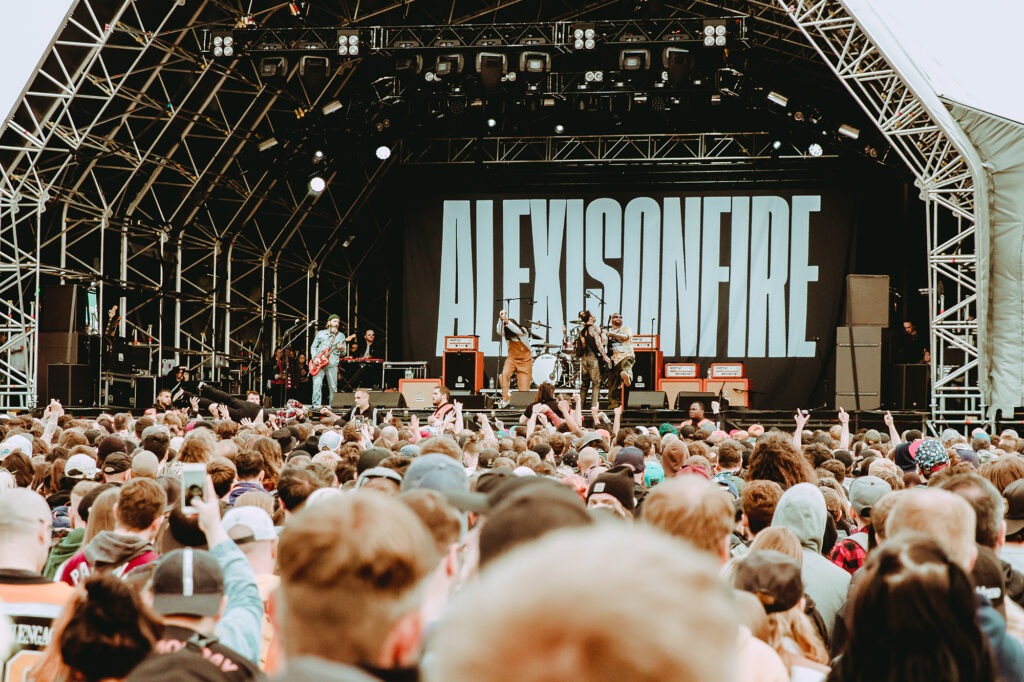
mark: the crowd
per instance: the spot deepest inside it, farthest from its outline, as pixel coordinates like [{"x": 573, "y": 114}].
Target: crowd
[{"x": 566, "y": 547}]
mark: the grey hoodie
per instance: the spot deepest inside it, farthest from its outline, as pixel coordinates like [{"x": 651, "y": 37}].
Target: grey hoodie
[
  {"x": 110, "y": 549},
  {"x": 802, "y": 510}
]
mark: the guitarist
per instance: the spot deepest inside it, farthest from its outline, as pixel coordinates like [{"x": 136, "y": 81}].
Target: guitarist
[
  {"x": 329, "y": 343},
  {"x": 592, "y": 357}
]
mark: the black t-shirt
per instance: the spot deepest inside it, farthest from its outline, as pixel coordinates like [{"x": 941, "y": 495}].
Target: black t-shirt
[
  {"x": 911, "y": 348},
  {"x": 183, "y": 654},
  {"x": 553, "y": 404}
]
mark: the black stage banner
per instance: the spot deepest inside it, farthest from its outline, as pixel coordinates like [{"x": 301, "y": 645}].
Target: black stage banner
[{"x": 747, "y": 276}]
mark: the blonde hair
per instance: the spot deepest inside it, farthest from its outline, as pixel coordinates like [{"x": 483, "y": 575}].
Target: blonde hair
[
  {"x": 101, "y": 514},
  {"x": 795, "y": 625},
  {"x": 691, "y": 508},
  {"x": 780, "y": 539}
]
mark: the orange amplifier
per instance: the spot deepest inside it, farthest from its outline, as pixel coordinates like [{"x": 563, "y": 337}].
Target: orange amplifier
[
  {"x": 681, "y": 370},
  {"x": 462, "y": 343},
  {"x": 646, "y": 342},
  {"x": 418, "y": 393},
  {"x": 673, "y": 387},
  {"x": 727, "y": 370},
  {"x": 736, "y": 391}
]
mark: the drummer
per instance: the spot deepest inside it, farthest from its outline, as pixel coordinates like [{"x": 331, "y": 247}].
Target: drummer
[
  {"x": 518, "y": 361},
  {"x": 545, "y": 398}
]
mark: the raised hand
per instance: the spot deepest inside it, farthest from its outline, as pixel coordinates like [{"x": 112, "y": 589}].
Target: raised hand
[
  {"x": 801, "y": 418},
  {"x": 888, "y": 418},
  {"x": 844, "y": 416}
]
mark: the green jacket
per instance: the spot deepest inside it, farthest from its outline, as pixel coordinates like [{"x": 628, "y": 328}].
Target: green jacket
[{"x": 63, "y": 551}]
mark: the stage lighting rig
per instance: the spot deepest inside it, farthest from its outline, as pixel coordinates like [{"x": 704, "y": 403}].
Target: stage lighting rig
[
  {"x": 222, "y": 43},
  {"x": 348, "y": 43},
  {"x": 492, "y": 67}
]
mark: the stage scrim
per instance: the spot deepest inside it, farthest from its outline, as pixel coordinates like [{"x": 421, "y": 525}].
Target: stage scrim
[{"x": 746, "y": 275}]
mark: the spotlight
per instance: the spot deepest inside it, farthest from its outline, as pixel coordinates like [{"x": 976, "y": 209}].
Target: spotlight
[
  {"x": 849, "y": 131},
  {"x": 559, "y": 128},
  {"x": 814, "y": 149},
  {"x": 273, "y": 67},
  {"x": 678, "y": 63},
  {"x": 491, "y": 66},
  {"x": 584, "y": 37},
  {"x": 776, "y": 144},
  {"x": 267, "y": 143},
  {"x": 714, "y": 33},
  {"x": 348, "y": 42},
  {"x": 318, "y": 156},
  {"x": 383, "y": 152},
  {"x": 778, "y": 98},
  {"x": 447, "y": 65},
  {"x": 409, "y": 65},
  {"x": 313, "y": 71},
  {"x": 871, "y": 151},
  {"x": 492, "y": 123},
  {"x": 594, "y": 76},
  {"x": 223, "y": 43},
  {"x": 331, "y": 107},
  {"x": 634, "y": 60},
  {"x": 317, "y": 184}
]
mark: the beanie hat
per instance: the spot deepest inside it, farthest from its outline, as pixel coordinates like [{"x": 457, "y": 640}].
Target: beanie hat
[
  {"x": 633, "y": 457},
  {"x": 617, "y": 482}
]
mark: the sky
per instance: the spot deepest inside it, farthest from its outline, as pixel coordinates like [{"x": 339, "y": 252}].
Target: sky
[{"x": 24, "y": 40}]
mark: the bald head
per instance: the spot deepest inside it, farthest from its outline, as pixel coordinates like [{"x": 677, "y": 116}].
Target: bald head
[
  {"x": 24, "y": 530},
  {"x": 942, "y": 516},
  {"x": 588, "y": 458}
]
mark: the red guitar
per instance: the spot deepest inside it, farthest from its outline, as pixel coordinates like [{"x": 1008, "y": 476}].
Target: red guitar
[{"x": 323, "y": 358}]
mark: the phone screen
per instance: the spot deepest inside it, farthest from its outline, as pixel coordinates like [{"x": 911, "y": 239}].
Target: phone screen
[{"x": 193, "y": 484}]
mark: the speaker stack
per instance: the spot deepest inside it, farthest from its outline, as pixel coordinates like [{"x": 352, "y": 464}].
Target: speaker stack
[{"x": 462, "y": 366}]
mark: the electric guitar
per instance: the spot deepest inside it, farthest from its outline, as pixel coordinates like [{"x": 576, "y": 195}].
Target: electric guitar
[{"x": 323, "y": 358}]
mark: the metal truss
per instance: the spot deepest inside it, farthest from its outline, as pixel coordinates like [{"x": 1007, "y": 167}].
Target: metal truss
[
  {"x": 693, "y": 148},
  {"x": 947, "y": 185}
]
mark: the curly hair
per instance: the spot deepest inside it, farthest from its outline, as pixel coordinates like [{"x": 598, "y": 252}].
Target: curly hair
[{"x": 775, "y": 458}]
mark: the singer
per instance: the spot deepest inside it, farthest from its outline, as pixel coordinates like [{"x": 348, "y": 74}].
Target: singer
[
  {"x": 518, "y": 361},
  {"x": 621, "y": 347}
]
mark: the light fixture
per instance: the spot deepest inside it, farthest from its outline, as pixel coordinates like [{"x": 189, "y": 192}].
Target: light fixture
[
  {"x": 348, "y": 43},
  {"x": 222, "y": 43},
  {"x": 273, "y": 67},
  {"x": 584, "y": 37},
  {"x": 313, "y": 71},
  {"x": 559, "y": 128},
  {"x": 714, "y": 33},
  {"x": 267, "y": 143},
  {"x": 447, "y": 65},
  {"x": 383, "y": 152},
  {"x": 492, "y": 123},
  {"x": 814, "y": 149},
  {"x": 317, "y": 184},
  {"x": 634, "y": 60},
  {"x": 678, "y": 63},
  {"x": 849, "y": 131},
  {"x": 318, "y": 156},
  {"x": 776, "y": 144},
  {"x": 348, "y": 242},
  {"x": 331, "y": 107},
  {"x": 492, "y": 67},
  {"x": 778, "y": 98},
  {"x": 594, "y": 76}
]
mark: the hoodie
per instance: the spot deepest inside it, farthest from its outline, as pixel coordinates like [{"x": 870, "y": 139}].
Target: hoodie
[
  {"x": 108, "y": 550},
  {"x": 802, "y": 510},
  {"x": 65, "y": 549}
]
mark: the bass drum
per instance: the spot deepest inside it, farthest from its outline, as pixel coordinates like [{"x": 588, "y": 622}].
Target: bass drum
[{"x": 546, "y": 368}]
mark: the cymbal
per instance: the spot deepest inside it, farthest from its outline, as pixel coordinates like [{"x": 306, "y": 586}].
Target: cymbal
[
  {"x": 547, "y": 345},
  {"x": 539, "y": 324}
]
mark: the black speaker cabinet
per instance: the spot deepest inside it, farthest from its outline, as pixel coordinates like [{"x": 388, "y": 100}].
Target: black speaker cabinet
[
  {"x": 463, "y": 371},
  {"x": 387, "y": 399},
  {"x": 145, "y": 393},
  {"x": 684, "y": 400},
  {"x": 72, "y": 385},
  {"x": 472, "y": 401},
  {"x": 646, "y": 370},
  {"x": 522, "y": 398},
  {"x": 343, "y": 399},
  {"x": 910, "y": 384},
  {"x": 647, "y": 399}
]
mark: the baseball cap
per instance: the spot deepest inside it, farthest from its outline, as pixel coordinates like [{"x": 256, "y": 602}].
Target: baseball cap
[
  {"x": 931, "y": 454},
  {"x": 446, "y": 476},
  {"x": 370, "y": 458},
  {"x": 248, "y": 524},
  {"x": 329, "y": 440},
  {"x": 116, "y": 463},
  {"x": 15, "y": 443},
  {"x": 772, "y": 577},
  {"x": 187, "y": 582},
  {"x": 865, "y": 492},
  {"x": 1014, "y": 496},
  {"x": 667, "y": 428},
  {"x": 590, "y": 438},
  {"x": 109, "y": 445},
  {"x": 144, "y": 464},
  {"x": 156, "y": 430},
  {"x": 81, "y": 467},
  {"x": 653, "y": 474},
  {"x": 633, "y": 457},
  {"x": 378, "y": 472}
]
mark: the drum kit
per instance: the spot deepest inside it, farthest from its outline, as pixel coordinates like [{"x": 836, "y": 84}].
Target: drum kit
[{"x": 556, "y": 363}]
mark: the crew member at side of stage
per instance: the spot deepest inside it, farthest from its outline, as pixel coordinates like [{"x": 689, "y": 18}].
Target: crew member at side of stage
[
  {"x": 621, "y": 347},
  {"x": 591, "y": 358},
  {"x": 327, "y": 338},
  {"x": 366, "y": 347},
  {"x": 518, "y": 360}
]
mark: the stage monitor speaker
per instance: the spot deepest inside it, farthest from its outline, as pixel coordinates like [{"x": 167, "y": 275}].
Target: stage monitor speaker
[
  {"x": 867, "y": 300},
  {"x": 72, "y": 385},
  {"x": 473, "y": 401},
  {"x": 684, "y": 400},
  {"x": 387, "y": 399},
  {"x": 145, "y": 393},
  {"x": 735, "y": 391},
  {"x": 910, "y": 383},
  {"x": 522, "y": 398},
  {"x": 343, "y": 400},
  {"x": 418, "y": 393},
  {"x": 463, "y": 371},
  {"x": 859, "y": 355},
  {"x": 647, "y": 400},
  {"x": 647, "y": 370}
]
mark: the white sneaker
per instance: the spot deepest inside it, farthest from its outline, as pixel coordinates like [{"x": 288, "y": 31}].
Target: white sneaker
[{"x": 502, "y": 404}]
